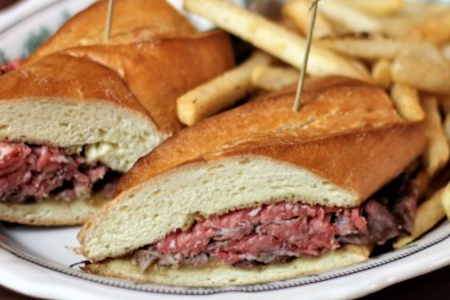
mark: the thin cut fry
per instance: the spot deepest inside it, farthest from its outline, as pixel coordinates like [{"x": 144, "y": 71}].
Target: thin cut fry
[
  {"x": 381, "y": 73},
  {"x": 427, "y": 216},
  {"x": 446, "y": 202},
  {"x": 351, "y": 18},
  {"x": 435, "y": 29},
  {"x": 421, "y": 74},
  {"x": 437, "y": 150},
  {"x": 221, "y": 92},
  {"x": 446, "y": 52},
  {"x": 274, "y": 78},
  {"x": 377, "y": 7},
  {"x": 407, "y": 102},
  {"x": 375, "y": 46},
  {"x": 273, "y": 38},
  {"x": 299, "y": 10}
]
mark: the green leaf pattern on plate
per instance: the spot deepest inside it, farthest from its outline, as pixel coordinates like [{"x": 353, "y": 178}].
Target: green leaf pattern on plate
[{"x": 37, "y": 39}]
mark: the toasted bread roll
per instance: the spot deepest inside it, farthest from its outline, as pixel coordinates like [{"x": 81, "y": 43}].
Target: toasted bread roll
[
  {"x": 344, "y": 144},
  {"x": 133, "y": 21}
]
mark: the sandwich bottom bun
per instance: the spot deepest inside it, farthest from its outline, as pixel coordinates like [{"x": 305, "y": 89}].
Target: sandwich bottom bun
[
  {"x": 219, "y": 274},
  {"x": 50, "y": 212}
]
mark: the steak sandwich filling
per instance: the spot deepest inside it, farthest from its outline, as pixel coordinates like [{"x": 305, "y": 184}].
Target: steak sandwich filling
[
  {"x": 279, "y": 232},
  {"x": 81, "y": 111},
  {"x": 261, "y": 193},
  {"x": 33, "y": 173}
]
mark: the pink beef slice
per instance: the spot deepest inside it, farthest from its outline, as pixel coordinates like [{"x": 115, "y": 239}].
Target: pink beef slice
[
  {"x": 278, "y": 232},
  {"x": 36, "y": 172},
  {"x": 267, "y": 234}
]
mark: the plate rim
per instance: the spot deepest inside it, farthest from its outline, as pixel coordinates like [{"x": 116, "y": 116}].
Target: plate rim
[{"x": 20, "y": 9}]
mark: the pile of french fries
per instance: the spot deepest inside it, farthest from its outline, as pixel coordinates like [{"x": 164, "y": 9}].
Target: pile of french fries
[{"x": 402, "y": 46}]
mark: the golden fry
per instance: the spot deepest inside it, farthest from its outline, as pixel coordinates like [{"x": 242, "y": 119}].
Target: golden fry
[
  {"x": 377, "y": 7},
  {"x": 380, "y": 47},
  {"x": 437, "y": 150},
  {"x": 220, "y": 92},
  {"x": 274, "y": 78},
  {"x": 446, "y": 202},
  {"x": 273, "y": 38},
  {"x": 381, "y": 73},
  {"x": 422, "y": 74},
  {"x": 446, "y": 52},
  {"x": 435, "y": 29},
  {"x": 407, "y": 102},
  {"x": 299, "y": 12},
  {"x": 349, "y": 17}
]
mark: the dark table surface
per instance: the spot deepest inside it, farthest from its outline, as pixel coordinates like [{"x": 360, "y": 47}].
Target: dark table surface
[{"x": 434, "y": 286}]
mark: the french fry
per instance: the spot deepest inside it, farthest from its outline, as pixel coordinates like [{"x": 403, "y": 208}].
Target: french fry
[
  {"x": 437, "y": 150},
  {"x": 446, "y": 202},
  {"x": 421, "y": 74},
  {"x": 270, "y": 78},
  {"x": 407, "y": 102},
  {"x": 349, "y": 17},
  {"x": 363, "y": 46},
  {"x": 377, "y": 7},
  {"x": 435, "y": 29},
  {"x": 273, "y": 38},
  {"x": 421, "y": 10},
  {"x": 446, "y": 52},
  {"x": 375, "y": 46},
  {"x": 298, "y": 11},
  {"x": 429, "y": 213},
  {"x": 221, "y": 92},
  {"x": 381, "y": 73}
]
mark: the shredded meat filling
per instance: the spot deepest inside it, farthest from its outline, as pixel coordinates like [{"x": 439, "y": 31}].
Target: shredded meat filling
[
  {"x": 269, "y": 234},
  {"x": 283, "y": 231},
  {"x": 30, "y": 173}
]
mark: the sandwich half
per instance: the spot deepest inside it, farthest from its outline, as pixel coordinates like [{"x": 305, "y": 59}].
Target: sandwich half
[
  {"x": 261, "y": 193},
  {"x": 133, "y": 21},
  {"x": 74, "y": 118}
]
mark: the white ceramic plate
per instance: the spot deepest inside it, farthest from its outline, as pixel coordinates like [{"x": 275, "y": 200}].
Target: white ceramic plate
[{"x": 37, "y": 261}]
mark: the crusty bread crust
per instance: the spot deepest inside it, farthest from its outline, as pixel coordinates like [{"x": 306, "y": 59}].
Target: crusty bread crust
[
  {"x": 133, "y": 21},
  {"x": 330, "y": 107},
  {"x": 226, "y": 275},
  {"x": 344, "y": 144},
  {"x": 121, "y": 93},
  {"x": 157, "y": 72},
  {"x": 61, "y": 76}
]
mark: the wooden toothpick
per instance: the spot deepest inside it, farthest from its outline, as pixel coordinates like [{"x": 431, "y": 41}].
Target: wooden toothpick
[
  {"x": 109, "y": 19},
  {"x": 301, "y": 82}
]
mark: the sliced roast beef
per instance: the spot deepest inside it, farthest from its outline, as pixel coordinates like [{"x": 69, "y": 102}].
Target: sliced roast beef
[
  {"x": 405, "y": 206},
  {"x": 269, "y": 234},
  {"x": 30, "y": 173},
  {"x": 382, "y": 226},
  {"x": 392, "y": 212},
  {"x": 279, "y": 232}
]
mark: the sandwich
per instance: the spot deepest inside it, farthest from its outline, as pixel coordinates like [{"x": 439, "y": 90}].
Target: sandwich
[
  {"x": 77, "y": 115},
  {"x": 261, "y": 193},
  {"x": 132, "y": 21}
]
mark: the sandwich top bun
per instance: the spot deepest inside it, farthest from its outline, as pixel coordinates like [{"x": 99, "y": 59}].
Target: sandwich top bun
[
  {"x": 114, "y": 100},
  {"x": 344, "y": 144},
  {"x": 133, "y": 21},
  {"x": 159, "y": 71},
  {"x": 70, "y": 102}
]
